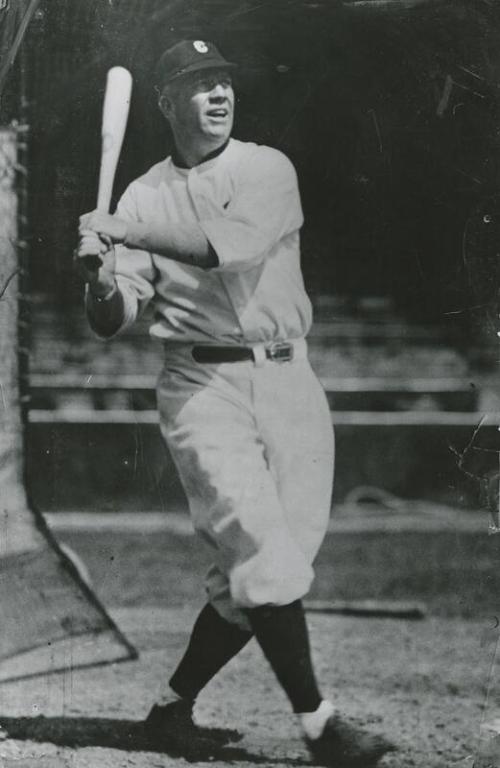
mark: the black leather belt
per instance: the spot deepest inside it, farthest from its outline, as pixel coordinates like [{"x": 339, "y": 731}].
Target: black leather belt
[{"x": 279, "y": 352}]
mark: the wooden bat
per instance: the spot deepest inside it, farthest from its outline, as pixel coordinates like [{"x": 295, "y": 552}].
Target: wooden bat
[{"x": 114, "y": 122}]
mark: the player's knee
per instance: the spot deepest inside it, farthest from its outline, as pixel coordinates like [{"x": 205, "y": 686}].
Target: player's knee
[{"x": 252, "y": 587}]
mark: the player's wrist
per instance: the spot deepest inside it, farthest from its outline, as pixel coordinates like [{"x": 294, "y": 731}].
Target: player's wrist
[
  {"x": 120, "y": 230},
  {"x": 135, "y": 235}
]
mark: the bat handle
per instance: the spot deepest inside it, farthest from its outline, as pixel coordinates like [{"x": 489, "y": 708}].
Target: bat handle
[
  {"x": 103, "y": 199},
  {"x": 94, "y": 262}
]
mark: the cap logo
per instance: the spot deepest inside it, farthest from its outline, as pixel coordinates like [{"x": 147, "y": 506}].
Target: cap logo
[{"x": 200, "y": 46}]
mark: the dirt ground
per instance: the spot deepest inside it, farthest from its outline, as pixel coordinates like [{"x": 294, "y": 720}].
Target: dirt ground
[{"x": 424, "y": 684}]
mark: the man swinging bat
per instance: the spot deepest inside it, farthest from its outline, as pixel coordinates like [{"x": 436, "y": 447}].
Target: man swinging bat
[{"x": 210, "y": 235}]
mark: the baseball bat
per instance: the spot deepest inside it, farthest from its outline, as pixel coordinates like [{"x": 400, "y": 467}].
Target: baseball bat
[{"x": 114, "y": 122}]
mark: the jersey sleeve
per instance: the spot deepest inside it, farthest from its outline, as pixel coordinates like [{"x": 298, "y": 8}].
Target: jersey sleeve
[
  {"x": 135, "y": 272},
  {"x": 266, "y": 208}
]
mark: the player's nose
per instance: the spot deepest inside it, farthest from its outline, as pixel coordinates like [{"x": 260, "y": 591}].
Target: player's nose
[{"x": 218, "y": 92}]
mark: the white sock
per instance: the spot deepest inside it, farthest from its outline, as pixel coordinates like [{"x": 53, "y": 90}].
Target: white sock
[{"x": 313, "y": 723}]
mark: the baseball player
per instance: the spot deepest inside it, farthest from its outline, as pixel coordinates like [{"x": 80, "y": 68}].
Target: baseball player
[{"x": 210, "y": 235}]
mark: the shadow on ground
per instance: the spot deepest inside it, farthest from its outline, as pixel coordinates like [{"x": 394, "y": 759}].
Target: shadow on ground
[{"x": 197, "y": 745}]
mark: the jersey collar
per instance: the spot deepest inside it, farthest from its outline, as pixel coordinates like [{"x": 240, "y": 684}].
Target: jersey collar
[{"x": 179, "y": 162}]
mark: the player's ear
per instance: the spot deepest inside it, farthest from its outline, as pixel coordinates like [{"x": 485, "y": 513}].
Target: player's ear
[{"x": 166, "y": 104}]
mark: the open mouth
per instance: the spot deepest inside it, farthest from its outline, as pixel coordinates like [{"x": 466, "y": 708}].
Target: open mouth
[{"x": 219, "y": 114}]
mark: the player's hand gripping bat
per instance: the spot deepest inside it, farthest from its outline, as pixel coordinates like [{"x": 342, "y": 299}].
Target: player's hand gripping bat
[{"x": 114, "y": 122}]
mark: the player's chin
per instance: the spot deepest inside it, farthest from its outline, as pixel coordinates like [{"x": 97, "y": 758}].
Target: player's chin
[{"x": 220, "y": 129}]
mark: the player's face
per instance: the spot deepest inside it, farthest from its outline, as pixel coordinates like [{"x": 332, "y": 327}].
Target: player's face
[{"x": 202, "y": 106}]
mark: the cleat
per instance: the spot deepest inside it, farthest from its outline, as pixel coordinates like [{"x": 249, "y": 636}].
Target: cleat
[
  {"x": 342, "y": 745},
  {"x": 165, "y": 720},
  {"x": 171, "y": 725}
]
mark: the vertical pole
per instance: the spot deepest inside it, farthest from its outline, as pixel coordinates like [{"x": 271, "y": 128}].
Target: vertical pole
[{"x": 17, "y": 530}]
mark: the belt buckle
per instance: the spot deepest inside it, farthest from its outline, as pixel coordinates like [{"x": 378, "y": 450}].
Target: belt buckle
[{"x": 280, "y": 352}]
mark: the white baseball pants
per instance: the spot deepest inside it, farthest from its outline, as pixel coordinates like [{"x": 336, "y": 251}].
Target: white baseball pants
[{"x": 253, "y": 445}]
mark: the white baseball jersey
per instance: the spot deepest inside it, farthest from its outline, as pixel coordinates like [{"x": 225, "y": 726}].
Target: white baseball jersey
[{"x": 247, "y": 202}]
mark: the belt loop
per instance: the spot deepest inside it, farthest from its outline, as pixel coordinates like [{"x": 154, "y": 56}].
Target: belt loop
[{"x": 259, "y": 355}]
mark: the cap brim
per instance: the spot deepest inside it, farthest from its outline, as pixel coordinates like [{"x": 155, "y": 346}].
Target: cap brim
[{"x": 197, "y": 67}]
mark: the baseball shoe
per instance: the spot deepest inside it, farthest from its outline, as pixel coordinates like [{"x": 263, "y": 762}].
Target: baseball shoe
[
  {"x": 164, "y": 719},
  {"x": 173, "y": 725},
  {"x": 342, "y": 745}
]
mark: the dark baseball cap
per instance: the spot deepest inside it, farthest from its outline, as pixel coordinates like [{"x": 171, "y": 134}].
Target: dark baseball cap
[{"x": 186, "y": 57}]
